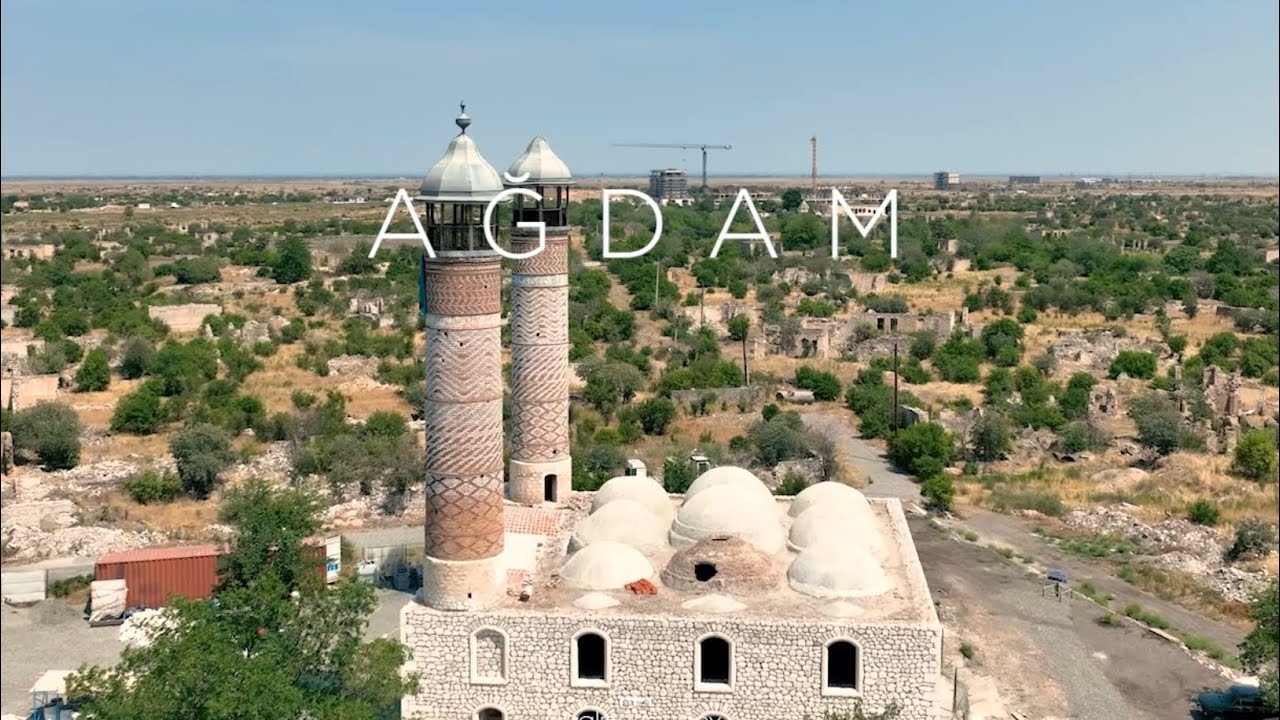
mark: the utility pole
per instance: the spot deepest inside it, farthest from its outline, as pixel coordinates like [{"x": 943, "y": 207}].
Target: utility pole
[
  {"x": 657, "y": 270},
  {"x": 896, "y": 412},
  {"x": 746, "y": 375},
  {"x": 813, "y": 169}
]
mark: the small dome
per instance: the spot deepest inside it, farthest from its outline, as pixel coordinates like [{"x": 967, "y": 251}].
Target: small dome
[
  {"x": 541, "y": 164},
  {"x": 827, "y": 493},
  {"x": 461, "y": 175},
  {"x": 605, "y": 565},
  {"x": 623, "y": 520},
  {"x": 596, "y": 601},
  {"x": 729, "y": 510},
  {"x": 722, "y": 564},
  {"x": 853, "y": 525},
  {"x": 831, "y": 570},
  {"x": 728, "y": 475},
  {"x": 644, "y": 490}
]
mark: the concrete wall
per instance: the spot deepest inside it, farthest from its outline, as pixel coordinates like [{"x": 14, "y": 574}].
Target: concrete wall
[
  {"x": 184, "y": 318},
  {"x": 26, "y": 390},
  {"x": 777, "y": 666}
]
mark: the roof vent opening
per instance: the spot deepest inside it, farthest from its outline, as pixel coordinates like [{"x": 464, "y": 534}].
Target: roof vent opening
[{"x": 704, "y": 571}]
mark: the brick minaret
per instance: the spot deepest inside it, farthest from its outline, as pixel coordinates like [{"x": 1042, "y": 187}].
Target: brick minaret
[
  {"x": 540, "y": 465},
  {"x": 463, "y": 406}
]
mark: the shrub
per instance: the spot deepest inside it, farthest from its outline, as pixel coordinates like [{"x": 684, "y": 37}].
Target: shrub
[
  {"x": 793, "y": 484},
  {"x": 1160, "y": 425},
  {"x": 1256, "y": 456},
  {"x": 138, "y": 413},
  {"x": 824, "y": 385},
  {"x": 676, "y": 475},
  {"x": 135, "y": 360},
  {"x": 739, "y": 326},
  {"x": 940, "y": 491},
  {"x": 968, "y": 651},
  {"x": 1134, "y": 363},
  {"x": 385, "y": 424},
  {"x": 94, "y": 374},
  {"x": 655, "y": 415},
  {"x": 292, "y": 261},
  {"x": 66, "y": 586},
  {"x": 202, "y": 452},
  {"x": 990, "y": 438},
  {"x": 1254, "y": 538},
  {"x": 923, "y": 449},
  {"x": 1203, "y": 512},
  {"x": 152, "y": 487},
  {"x": 51, "y": 432}
]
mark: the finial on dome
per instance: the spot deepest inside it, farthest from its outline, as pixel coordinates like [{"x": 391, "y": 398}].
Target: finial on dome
[{"x": 463, "y": 120}]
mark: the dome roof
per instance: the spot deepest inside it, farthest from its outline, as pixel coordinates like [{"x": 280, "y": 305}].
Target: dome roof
[
  {"x": 729, "y": 510},
  {"x": 623, "y": 520},
  {"x": 644, "y": 490},
  {"x": 605, "y": 565},
  {"x": 722, "y": 564},
  {"x": 729, "y": 475},
  {"x": 827, "y": 493},
  {"x": 541, "y": 164},
  {"x": 850, "y": 524},
  {"x": 461, "y": 175},
  {"x": 713, "y": 604},
  {"x": 830, "y": 570}
]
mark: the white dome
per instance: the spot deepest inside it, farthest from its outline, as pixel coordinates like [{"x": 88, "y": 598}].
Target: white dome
[
  {"x": 850, "y": 524},
  {"x": 831, "y": 570},
  {"x": 644, "y": 490},
  {"x": 827, "y": 493},
  {"x": 542, "y": 166},
  {"x": 461, "y": 175},
  {"x": 623, "y": 520},
  {"x": 729, "y": 510},
  {"x": 605, "y": 565},
  {"x": 729, "y": 475}
]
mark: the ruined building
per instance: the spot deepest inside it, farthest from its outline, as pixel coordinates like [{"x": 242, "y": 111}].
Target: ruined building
[{"x": 726, "y": 603}]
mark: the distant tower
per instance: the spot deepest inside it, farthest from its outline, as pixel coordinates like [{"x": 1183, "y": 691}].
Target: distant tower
[
  {"x": 463, "y": 405},
  {"x": 813, "y": 165},
  {"x": 540, "y": 465}
]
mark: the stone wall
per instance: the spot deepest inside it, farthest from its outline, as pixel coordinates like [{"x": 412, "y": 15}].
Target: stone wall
[
  {"x": 24, "y": 391},
  {"x": 777, "y": 666},
  {"x": 183, "y": 318}
]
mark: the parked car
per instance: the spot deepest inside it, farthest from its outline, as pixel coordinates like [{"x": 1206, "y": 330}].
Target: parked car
[{"x": 1238, "y": 702}]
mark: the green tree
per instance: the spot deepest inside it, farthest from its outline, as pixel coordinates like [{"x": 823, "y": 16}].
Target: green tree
[
  {"x": 924, "y": 449},
  {"x": 292, "y": 261},
  {"x": 139, "y": 412},
  {"x": 739, "y": 326},
  {"x": 791, "y": 198},
  {"x": 1160, "y": 425},
  {"x": 1134, "y": 363},
  {"x": 50, "y": 431},
  {"x": 990, "y": 438},
  {"x": 135, "y": 360},
  {"x": 1260, "y": 651},
  {"x": 1003, "y": 341},
  {"x": 1256, "y": 456},
  {"x": 258, "y": 652},
  {"x": 677, "y": 475},
  {"x": 202, "y": 452},
  {"x": 611, "y": 384},
  {"x": 94, "y": 374},
  {"x": 655, "y": 415},
  {"x": 824, "y": 385}
]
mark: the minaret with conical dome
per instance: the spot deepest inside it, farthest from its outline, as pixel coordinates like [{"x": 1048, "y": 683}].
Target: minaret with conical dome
[
  {"x": 541, "y": 470},
  {"x": 463, "y": 404}
]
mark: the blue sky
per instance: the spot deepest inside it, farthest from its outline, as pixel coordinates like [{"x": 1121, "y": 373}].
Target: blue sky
[{"x": 905, "y": 86}]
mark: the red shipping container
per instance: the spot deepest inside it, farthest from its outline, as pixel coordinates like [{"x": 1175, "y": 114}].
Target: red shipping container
[{"x": 151, "y": 575}]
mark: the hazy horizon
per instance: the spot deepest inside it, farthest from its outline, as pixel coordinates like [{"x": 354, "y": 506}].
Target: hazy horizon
[{"x": 140, "y": 88}]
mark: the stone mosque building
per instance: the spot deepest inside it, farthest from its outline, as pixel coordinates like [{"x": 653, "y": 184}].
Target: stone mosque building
[{"x": 540, "y": 603}]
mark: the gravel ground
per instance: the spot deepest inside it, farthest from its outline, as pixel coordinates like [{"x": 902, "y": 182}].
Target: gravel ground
[
  {"x": 1052, "y": 659},
  {"x": 53, "y": 635}
]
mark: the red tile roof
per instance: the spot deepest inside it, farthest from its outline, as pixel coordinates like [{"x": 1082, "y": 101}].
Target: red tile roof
[{"x": 165, "y": 553}]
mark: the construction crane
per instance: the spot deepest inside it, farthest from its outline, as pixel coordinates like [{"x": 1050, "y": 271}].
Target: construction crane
[{"x": 682, "y": 146}]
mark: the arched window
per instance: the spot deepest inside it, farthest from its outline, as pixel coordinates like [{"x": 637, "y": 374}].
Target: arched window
[
  {"x": 490, "y": 714},
  {"x": 713, "y": 716},
  {"x": 489, "y": 657},
  {"x": 590, "y": 660},
  {"x": 841, "y": 668},
  {"x": 713, "y": 664},
  {"x": 590, "y": 715}
]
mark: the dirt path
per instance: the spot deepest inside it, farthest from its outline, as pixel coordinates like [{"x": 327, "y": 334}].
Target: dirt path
[
  {"x": 1018, "y": 534},
  {"x": 1050, "y": 658},
  {"x": 883, "y": 479}
]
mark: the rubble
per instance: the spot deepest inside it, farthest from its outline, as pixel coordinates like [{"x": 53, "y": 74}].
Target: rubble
[{"x": 1175, "y": 544}]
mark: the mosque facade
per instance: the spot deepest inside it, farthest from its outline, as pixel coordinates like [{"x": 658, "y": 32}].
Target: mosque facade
[{"x": 725, "y": 603}]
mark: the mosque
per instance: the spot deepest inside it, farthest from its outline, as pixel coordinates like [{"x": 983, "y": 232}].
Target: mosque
[{"x": 538, "y": 602}]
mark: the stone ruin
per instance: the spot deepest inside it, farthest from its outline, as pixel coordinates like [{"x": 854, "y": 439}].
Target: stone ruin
[{"x": 1092, "y": 350}]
